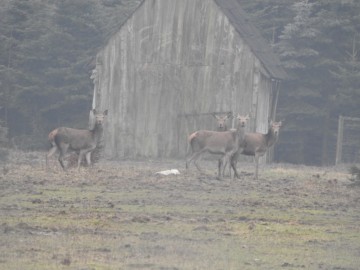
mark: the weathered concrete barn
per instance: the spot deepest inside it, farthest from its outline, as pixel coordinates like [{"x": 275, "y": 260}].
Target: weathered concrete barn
[{"x": 171, "y": 64}]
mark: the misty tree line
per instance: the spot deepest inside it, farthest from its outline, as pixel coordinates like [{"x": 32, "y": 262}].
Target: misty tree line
[
  {"x": 47, "y": 51},
  {"x": 319, "y": 45}
]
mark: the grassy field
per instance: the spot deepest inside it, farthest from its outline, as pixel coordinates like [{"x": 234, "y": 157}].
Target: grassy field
[{"x": 123, "y": 216}]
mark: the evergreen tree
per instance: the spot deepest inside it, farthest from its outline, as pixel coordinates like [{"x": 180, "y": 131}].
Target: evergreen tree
[
  {"x": 47, "y": 52},
  {"x": 301, "y": 101},
  {"x": 316, "y": 43},
  {"x": 18, "y": 19},
  {"x": 269, "y": 16}
]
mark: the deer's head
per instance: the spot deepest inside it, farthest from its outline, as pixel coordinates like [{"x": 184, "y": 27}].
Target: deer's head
[
  {"x": 99, "y": 117},
  {"x": 242, "y": 120},
  {"x": 221, "y": 121},
  {"x": 275, "y": 127}
]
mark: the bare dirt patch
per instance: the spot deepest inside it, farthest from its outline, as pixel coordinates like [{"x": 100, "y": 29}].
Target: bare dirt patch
[{"x": 120, "y": 215}]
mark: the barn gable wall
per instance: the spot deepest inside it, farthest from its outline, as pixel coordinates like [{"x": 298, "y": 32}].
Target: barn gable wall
[{"x": 171, "y": 64}]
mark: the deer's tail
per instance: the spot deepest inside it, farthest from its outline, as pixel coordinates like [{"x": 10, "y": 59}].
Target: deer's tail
[{"x": 190, "y": 144}]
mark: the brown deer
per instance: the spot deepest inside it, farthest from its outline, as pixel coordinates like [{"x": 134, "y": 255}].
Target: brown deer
[
  {"x": 221, "y": 121},
  {"x": 225, "y": 143},
  {"x": 221, "y": 125},
  {"x": 256, "y": 145},
  {"x": 81, "y": 140}
]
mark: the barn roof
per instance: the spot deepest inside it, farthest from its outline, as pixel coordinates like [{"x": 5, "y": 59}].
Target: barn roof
[{"x": 252, "y": 37}]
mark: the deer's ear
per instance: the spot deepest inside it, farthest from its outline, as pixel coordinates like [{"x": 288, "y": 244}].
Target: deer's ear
[
  {"x": 215, "y": 116},
  {"x": 94, "y": 111},
  {"x": 105, "y": 112}
]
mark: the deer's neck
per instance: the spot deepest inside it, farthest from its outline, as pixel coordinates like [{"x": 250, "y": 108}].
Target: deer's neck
[
  {"x": 97, "y": 132},
  {"x": 240, "y": 134},
  {"x": 224, "y": 128},
  {"x": 270, "y": 138}
]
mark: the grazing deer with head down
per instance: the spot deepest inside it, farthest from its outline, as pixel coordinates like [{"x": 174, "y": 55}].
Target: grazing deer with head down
[
  {"x": 256, "y": 145},
  {"x": 82, "y": 140},
  {"x": 225, "y": 143}
]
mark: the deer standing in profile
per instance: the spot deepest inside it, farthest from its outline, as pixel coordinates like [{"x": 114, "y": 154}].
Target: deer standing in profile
[
  {"x": 256, "y": 145},
  {"x": 81, "y": 140},
  {"x": 225, "y": 143}
]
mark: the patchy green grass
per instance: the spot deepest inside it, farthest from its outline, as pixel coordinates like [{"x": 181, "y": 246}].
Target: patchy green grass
[{"x": 122, "y": 216}]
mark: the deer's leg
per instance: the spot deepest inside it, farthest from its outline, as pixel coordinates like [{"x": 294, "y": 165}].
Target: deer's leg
[
  {"x": 223, "y": 165},
  {"x": 233, "y": 162},
  {"x": 220, "y": 165},
  {"x": 187, "y": 163},
  {"x": 225, "y": 159},
  {"x": 81, "y": 155},
  {"x": 190, "y": 159},
  {"x": 220, "y": 172},
  {"x": 63, "y": 150},
  {"x": 228, "y": 159},
  {"x": 256, "y": 165},
  {"x": 224, "y": 168},
  {"x": 230, "y": 166},
  {"x": 189, "y": 156},
  {"x": 198, "y": 156},
  {"x": 50, "y": 153},
  {"x": 61, "y": 160},
  {"x": 194, "y": 157},
  {"x": 226, "y": 162},
  {"x": 88, "y": 158}
]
